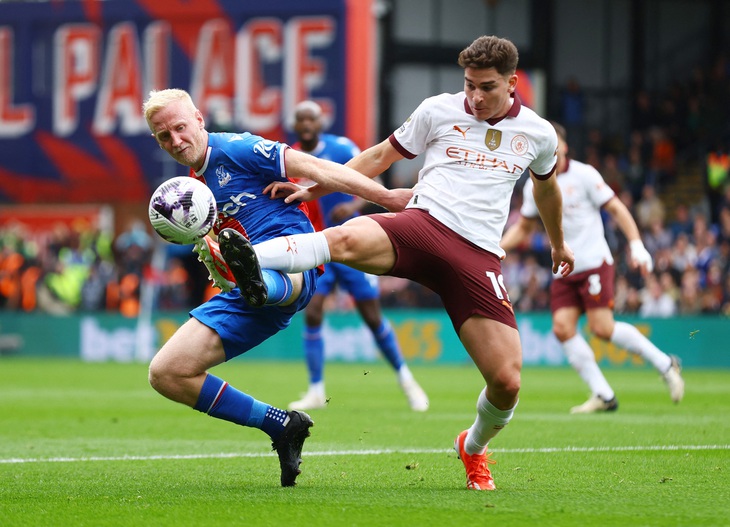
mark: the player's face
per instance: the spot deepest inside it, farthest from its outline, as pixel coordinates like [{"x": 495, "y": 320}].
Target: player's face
[
  {"x": 180, "y": 131},
  {"x": 488, "y": 92},
  {"x": 307, "y": 125}
]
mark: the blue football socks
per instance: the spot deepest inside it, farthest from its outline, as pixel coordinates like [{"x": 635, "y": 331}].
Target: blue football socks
[
  {"x": 388, "y": 344},
  {"x": 279, "y": 286},
  {"x": 314, "y": 352},
  {"x": 219, "y": 399}
]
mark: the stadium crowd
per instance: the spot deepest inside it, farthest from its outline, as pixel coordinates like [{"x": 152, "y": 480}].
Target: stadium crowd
[{"x": 79, "y": 268}]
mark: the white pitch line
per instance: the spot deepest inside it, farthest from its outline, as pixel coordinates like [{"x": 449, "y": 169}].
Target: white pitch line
[{"x": 375, "y": 452}]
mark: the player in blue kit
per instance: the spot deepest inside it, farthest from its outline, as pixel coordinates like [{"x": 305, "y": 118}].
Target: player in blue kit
[
  {"x": 237, "y": 167},
  {"x": 334, "y": 209}
]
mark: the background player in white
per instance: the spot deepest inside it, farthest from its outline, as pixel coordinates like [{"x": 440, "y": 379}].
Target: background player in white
[
  {"x": 476, "y": 144},
  {"x": 589, "y": 289},
  {"x": 335, "y": 209},
  {"x": 237, "y": 168}
]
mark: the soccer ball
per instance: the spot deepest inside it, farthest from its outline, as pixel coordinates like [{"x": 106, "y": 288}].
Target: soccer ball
[{"x": 182, "y": 210}]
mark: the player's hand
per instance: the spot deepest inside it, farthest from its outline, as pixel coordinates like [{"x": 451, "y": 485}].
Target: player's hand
[
  {"x": 288, "y": 191},
  {"x": 397, "y": 199},
  {"x": 563, "y": 260},
  {"x": 640, "y": 257}
]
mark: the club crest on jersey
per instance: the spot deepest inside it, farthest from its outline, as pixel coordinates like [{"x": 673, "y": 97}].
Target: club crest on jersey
[
  {"x": 519, "y": 144},
  {"x": 223, "y": 176},
  {"x": 493, "y": 139}
]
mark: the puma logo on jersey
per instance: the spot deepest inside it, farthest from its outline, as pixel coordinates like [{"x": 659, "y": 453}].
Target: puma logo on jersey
[{"x": 462, "y": 132}]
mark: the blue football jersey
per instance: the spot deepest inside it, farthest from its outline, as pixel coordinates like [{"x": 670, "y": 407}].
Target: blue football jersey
[{"x": 237, "y": 168}]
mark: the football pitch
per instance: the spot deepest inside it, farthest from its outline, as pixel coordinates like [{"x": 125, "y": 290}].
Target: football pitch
[{"x": 93, "y": 445}]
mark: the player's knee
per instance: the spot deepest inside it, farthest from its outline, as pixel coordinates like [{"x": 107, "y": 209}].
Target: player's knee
[
  {"x": 563, "y": 332},
  {"x": 342, "y": 242},
  {"x": 602, "y": 331},
  {"x": 506, "y": 383},
  {"x": 160, "y": 377},
  {"x": 155, "y": 376}
]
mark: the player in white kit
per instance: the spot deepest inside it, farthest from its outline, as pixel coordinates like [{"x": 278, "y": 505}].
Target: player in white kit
[
  {"x": 589, "y": 289},
  {"x": 476, "y": 144}
]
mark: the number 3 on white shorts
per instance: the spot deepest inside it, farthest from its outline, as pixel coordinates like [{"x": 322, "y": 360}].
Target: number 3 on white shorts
[{"x": 498, "y": 285}]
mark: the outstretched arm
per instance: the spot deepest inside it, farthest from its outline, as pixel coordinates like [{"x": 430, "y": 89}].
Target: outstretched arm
[
  {"x": 549, "y": 202},
  {"x": 640, "y": 257},
  {"x": 376, "y": 159},
  {"x": 334, "y": 177}
]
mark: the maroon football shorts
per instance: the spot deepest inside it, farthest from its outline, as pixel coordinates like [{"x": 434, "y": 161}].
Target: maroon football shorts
[
  {"x": 585, "y": 290},
  {"x": 466, "y": 277}
]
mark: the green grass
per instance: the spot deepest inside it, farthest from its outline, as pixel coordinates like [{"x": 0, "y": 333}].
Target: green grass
[{"x": 94, "y": 445}]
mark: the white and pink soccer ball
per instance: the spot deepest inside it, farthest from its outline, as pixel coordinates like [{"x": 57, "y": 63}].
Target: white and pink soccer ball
[{"x": 182, "y": 210}]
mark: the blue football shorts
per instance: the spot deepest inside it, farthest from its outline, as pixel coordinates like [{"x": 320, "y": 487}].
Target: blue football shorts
[
  {"x": 362, "y": 286},
  {"x": 242, "y": 327}
]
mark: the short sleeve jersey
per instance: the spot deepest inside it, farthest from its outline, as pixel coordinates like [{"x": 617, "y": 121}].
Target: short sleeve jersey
[
  {"x": 470, "y": 166},
  {"x": 237, "y": 168},
  {"x": 340, "y": 150},
  {"x": 584, "y": 193}
]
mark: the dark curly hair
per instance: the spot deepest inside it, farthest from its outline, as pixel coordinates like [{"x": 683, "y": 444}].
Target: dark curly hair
[{"x": 491, "y": 52}]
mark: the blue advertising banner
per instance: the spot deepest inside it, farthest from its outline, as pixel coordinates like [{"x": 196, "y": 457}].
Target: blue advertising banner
[
  {"x": 426, "y": 337},
  {"x": 74, "y": 74}
]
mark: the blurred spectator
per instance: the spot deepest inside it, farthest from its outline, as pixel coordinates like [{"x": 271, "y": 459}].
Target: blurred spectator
[
  {"x": 133, "y": 248},
  {"x": 707, "y": 248},
  {"x": 662, "y": 167},
  {"x": 690, "y": 302},
  {"x": 669, "y": 286},
  {"x": 684, "y": 254},
  {"x": 635, "y": 171},
  {"x": 65, "y": 271},
  {"x": 657, "y": 237},
  {"x": 723, "y": 226},
  {"x": 633, "y": 301},
  {"x": 649, "y": 208},
  {"x": 174, "y": 291},
  {"x": 655, "y": 301},
  {"x": 682, "y": 222},
  {"x": 94, "y": 289}
]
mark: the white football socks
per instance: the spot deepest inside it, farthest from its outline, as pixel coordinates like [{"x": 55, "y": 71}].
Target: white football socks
[
  {"x": 295, "y": 253},
  {"x": 582, "y": 359},
  {"x": 627, "y": 336},
  {"x": 490, "y": 420}
]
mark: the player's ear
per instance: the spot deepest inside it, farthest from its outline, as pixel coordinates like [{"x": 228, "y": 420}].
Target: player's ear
[{"x": 512, "y": 81}]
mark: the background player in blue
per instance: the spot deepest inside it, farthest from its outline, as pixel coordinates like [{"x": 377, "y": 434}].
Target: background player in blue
[
  {"x": 334, "y": 209},
  {"x": 237, "y": 167}
]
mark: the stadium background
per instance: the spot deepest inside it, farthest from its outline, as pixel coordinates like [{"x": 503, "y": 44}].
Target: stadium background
[{"x": 643, "y": 87}]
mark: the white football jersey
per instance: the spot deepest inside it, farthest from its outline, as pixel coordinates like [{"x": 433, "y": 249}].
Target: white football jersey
[
  {"x": 470, "y": 166},
  {"x": 584, "y": 193}
]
